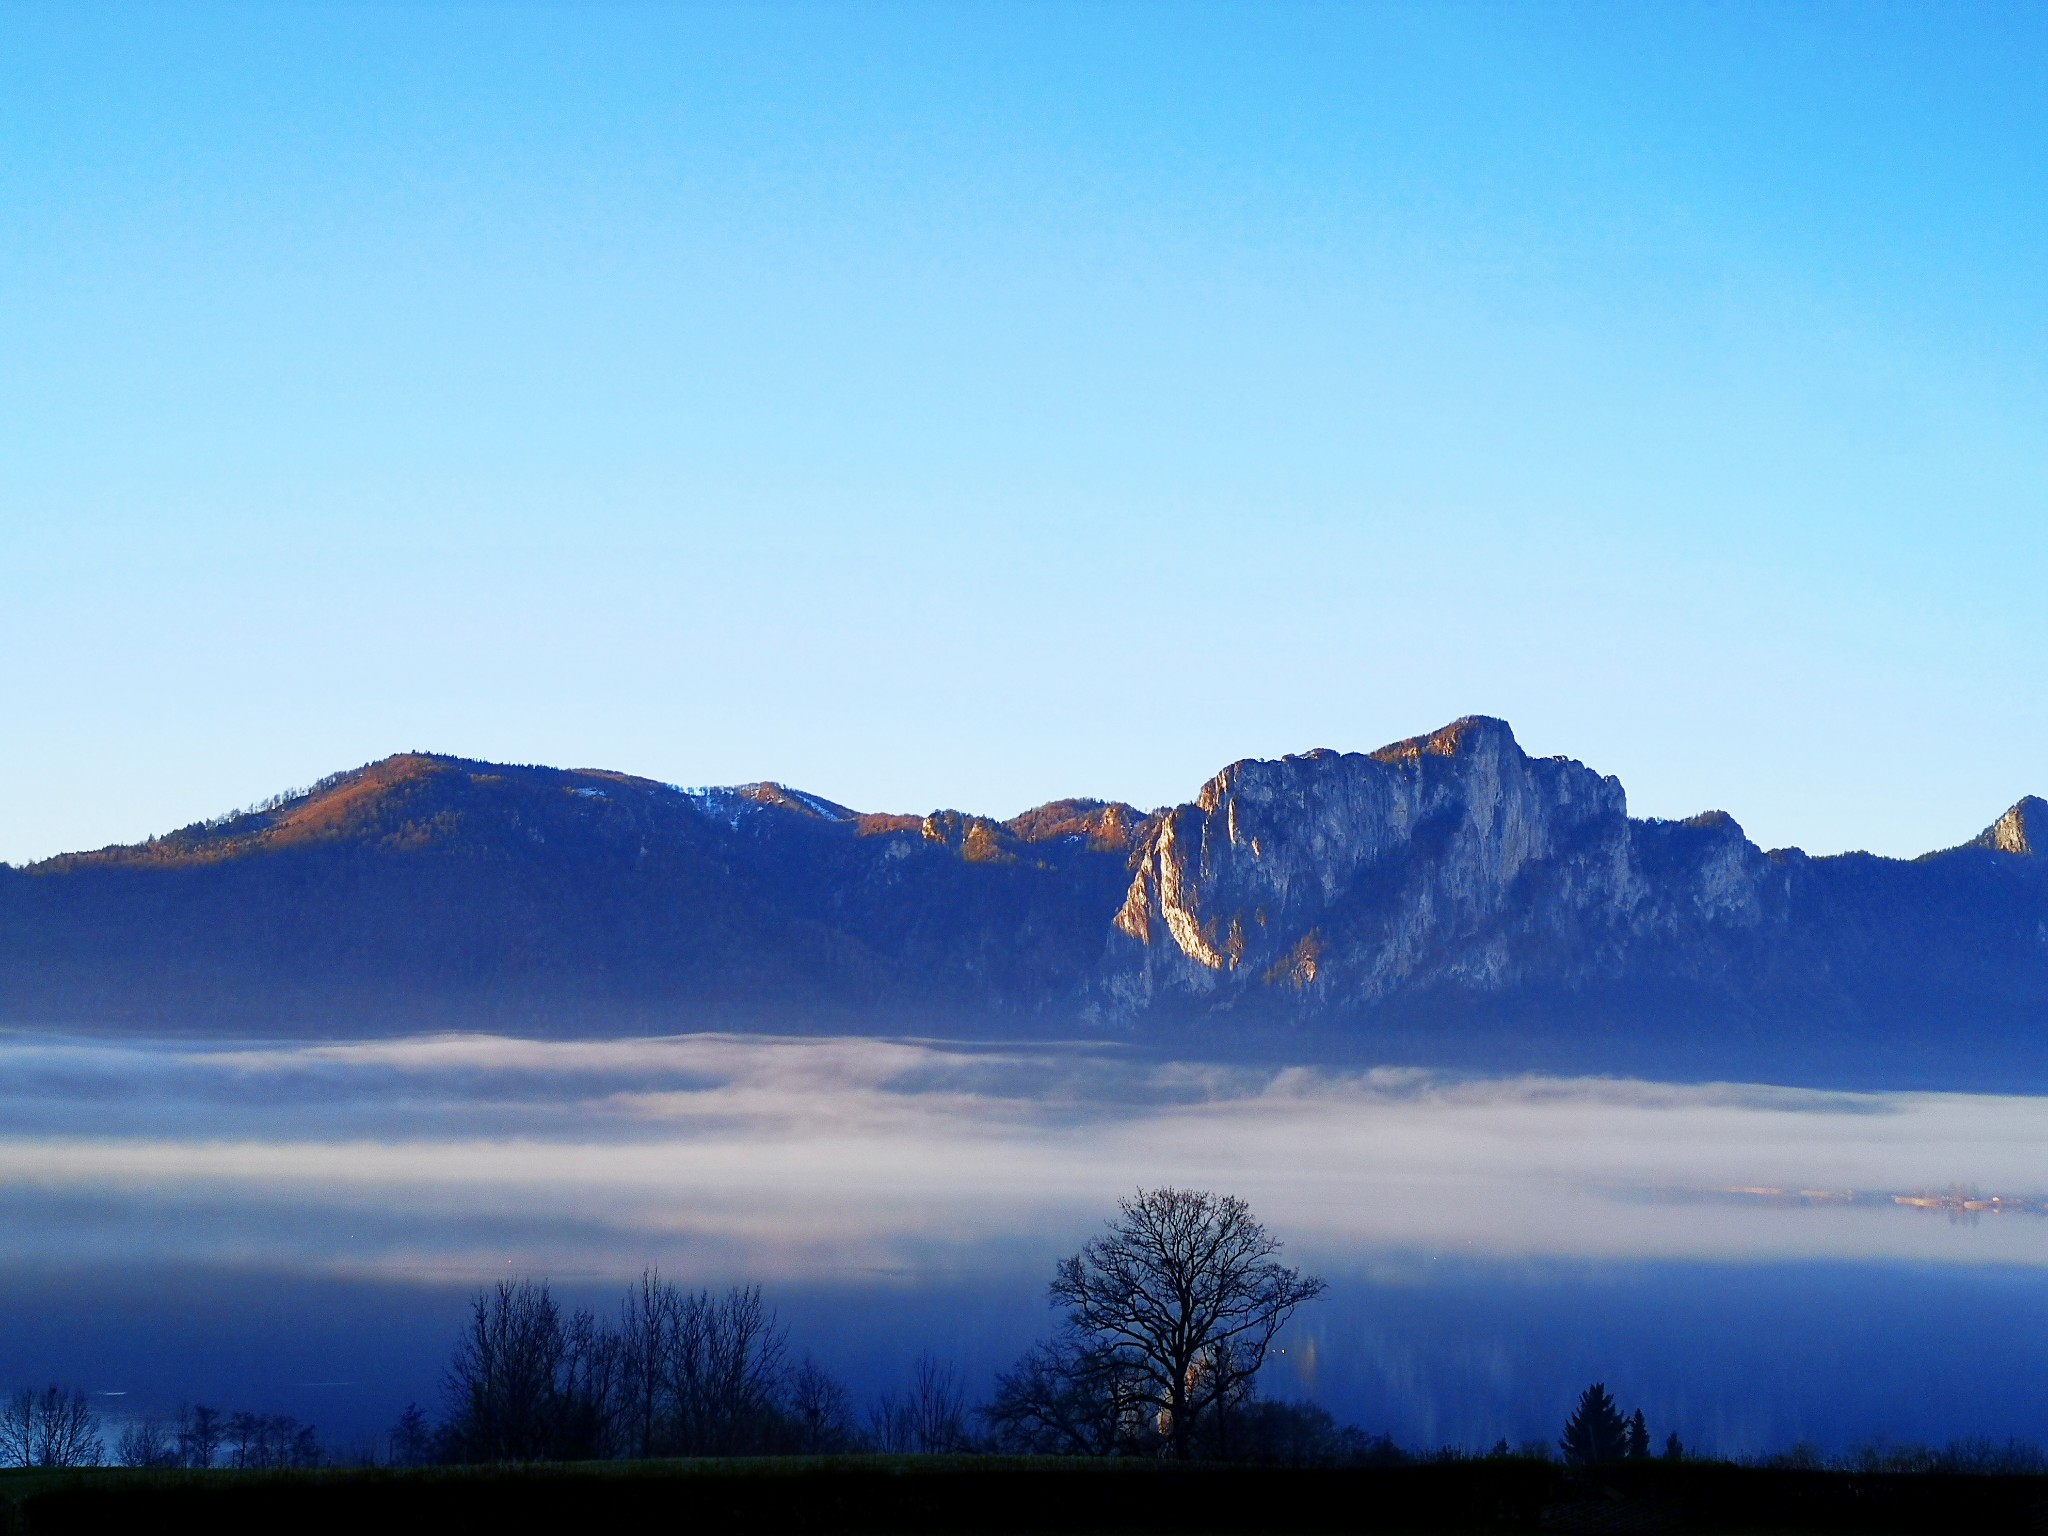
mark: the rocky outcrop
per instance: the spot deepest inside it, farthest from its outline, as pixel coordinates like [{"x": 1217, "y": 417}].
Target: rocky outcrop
[
  {"x": 1448, "y": 860},
  {"x": 1107, "y": 826},
  {"x": 2021, "y": 830}
]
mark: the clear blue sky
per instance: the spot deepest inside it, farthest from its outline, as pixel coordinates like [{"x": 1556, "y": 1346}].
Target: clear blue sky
[{"x": 972, "y": 404}]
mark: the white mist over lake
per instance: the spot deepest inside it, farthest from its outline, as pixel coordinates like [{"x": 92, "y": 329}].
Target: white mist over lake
[{"x": 799, "y": 1158}]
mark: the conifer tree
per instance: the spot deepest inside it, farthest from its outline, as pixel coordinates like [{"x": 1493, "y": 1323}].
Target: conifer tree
[
  {"x": 1638, "y": 1438},
  {"x": 1596, "y": 1433}
]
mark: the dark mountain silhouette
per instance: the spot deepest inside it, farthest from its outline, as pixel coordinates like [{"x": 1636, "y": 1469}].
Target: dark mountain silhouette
[{"x": 1447, "y": 900}]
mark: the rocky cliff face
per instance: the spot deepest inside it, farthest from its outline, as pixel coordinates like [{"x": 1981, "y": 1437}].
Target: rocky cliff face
[
  {"x": 2022, "y": 830},
  {"x": 1448, "y": 860}
]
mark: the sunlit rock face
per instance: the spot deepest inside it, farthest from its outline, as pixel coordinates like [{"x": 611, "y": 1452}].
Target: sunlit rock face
[
  {"x": 2022, "y": 830},
  {"x": 1453, "y": 859}
]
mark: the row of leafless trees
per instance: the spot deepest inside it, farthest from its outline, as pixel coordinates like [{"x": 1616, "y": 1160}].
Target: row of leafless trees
[
  {"x": 674, "y": 1373},
  {"x": 205, "y": 1437},
  {"x": 57, "y": 1427},
  {"x": 1168, "y": 1319}
]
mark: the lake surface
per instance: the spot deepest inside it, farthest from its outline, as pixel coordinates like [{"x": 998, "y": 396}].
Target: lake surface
[{"x": 295, "y": 1228}]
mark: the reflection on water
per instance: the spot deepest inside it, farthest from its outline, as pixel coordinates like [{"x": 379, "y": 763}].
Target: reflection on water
[
  {"x": 1741, "y": 1358},
  {"x": 294, "y": 1228},
  {"x": 1434, "y": 1350}
]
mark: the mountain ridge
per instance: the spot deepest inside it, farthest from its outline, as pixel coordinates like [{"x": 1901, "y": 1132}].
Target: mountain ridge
[
  {"x": 2021, "y": 829},
  {"x": 325, "y": 808},
  {"x": 1446, "y": 898}
]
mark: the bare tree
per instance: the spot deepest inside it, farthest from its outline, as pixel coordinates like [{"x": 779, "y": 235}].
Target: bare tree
[
  {"x": 697, "y": 1374},
  {"x": 820, "y": 1412},
  {"x": 199, "y": 1432},
  {"x": 1185, "y": 1294},
  {"x": 587, "y": 1405},
  {"x": 891, "y": 1426},
  {"x": 243, "y": 1434},
  {"x": 506, "y": 1383},
  {"x": 734, "y": 1400},
  {"x": 721, "y": 1375},
  {"x": 147, "y": 1442},
  {"x": 1063, "y": 1399},
  {"x": 939, "y": 1409},
  {"x": 649, "y": 1324},
  {"x": 412, "y": 1439},
  {"x": 261, "y": 1441},
  {"x": 55, "y": 1427},
  {"x": 929, "y": 1420}
]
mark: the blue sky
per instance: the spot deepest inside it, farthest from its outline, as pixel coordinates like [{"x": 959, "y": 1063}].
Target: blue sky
[{"x": 968, "y": 405}]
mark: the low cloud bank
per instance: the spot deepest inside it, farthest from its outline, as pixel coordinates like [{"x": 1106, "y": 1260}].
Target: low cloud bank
[{"x": 463, "y": 1155}]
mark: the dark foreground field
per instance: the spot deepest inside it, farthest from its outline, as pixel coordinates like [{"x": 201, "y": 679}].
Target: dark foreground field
[{"x": 982, "y": 1495}]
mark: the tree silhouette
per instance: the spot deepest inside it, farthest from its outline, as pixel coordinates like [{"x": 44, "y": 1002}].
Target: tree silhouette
[
  {"x": 820, "y": 1412},
  {"x": 682, "y": 1373},
  {"x": 701, "y": 1375},
  {"x": 199, "y": 1432},
  {"x": 511, "y": 1382},
  {"x": 1596, "y": 1433},
  {"x": 147, "y": 1442},
  {"x": 261, "y": 1441},
  {"x": 1638, "y": 1438},
  {"x": 1170, "y": 1315},
  {"x": 412, "y": 1438},
  {"x": 1066, "y": 1399},
  {"x": 55, "y": 1427},
  {"x": 929, "y": 1420}
]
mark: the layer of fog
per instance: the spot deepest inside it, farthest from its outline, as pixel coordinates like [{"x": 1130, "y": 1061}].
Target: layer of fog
[{"x": 464, "y": 1155}]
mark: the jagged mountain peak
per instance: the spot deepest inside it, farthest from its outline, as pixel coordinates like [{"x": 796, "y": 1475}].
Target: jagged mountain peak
[
  {"x": 2022, "y": 830},
  {"x": 1274, "y": 856},
  {"x": 1469, "y": 739},
  {"x": 1464, "y": 735}
]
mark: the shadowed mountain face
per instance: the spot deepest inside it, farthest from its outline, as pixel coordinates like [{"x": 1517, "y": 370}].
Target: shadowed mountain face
[
  {"x": 1446, "y": 900},
  {"x": 430, "y": 892}
]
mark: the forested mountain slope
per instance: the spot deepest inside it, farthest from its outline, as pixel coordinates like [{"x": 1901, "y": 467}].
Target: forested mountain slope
[{"x": 1446, "y": 899}]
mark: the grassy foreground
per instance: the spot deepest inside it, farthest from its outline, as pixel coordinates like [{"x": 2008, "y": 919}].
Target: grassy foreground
[{"x": 939, "y": 1495}]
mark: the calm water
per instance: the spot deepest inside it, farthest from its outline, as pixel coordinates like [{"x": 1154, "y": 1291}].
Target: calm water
[{"x": 295, "y": 1229}]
